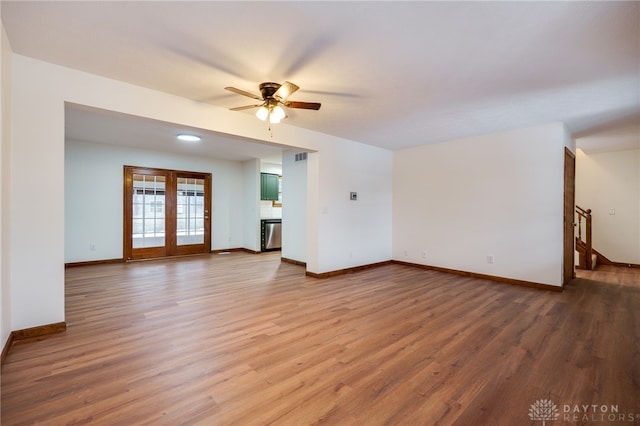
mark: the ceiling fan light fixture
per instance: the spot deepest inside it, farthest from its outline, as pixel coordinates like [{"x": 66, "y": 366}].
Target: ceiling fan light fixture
[
  {"x": 262, "y": 113},
  {"x": 278, "y": 112},
  {"x": 274, "y": 119}
]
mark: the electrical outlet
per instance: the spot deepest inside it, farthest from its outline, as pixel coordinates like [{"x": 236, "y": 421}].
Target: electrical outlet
[
  {"x": 490, "y": 259},
  {"x": 92, "y": 247},
  {"x": 424, "y": 254}
]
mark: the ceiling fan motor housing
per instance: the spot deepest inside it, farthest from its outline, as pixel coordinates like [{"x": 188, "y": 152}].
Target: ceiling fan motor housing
[{"x": 268, "y": 89}]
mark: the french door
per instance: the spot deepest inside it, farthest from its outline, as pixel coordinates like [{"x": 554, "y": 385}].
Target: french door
[{"x": 166, "y": 213}]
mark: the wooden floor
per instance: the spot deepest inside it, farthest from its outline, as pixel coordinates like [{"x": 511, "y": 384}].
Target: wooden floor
[{"x": 244, "y": 339}]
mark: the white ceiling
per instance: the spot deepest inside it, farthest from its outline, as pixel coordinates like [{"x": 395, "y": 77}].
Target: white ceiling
[
  {"x": 390, "y": 74},
  {"x": 108, "y": 127}
]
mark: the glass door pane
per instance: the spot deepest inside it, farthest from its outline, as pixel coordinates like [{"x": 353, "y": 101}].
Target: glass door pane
[
  {"x": 148, "y": 215},
  {"x": 190, "y": 212}
]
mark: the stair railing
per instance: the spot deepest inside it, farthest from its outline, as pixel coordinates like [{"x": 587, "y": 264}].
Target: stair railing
[{"x": 586, "y": 216}]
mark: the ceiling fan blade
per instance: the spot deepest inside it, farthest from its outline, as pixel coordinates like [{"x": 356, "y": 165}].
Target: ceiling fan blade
[
  {"x": 244, "y": 107},
  {"x": 243, "y": 93},
  {"x": 303, "y": 105},
  {"x": 285, "y": 90}
]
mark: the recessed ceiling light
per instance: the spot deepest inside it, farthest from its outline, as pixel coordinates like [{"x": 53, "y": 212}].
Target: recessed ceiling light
[{"x": 189, "y": 138}]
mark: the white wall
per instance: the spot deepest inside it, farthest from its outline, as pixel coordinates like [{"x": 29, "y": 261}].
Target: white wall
[
  {"x": 36, "y": 198},
  {"x": 313, "y": 212},
  {"x": 251, "y": 211},
  {"x": 93, "y": 197},
  {"x": 266, "y": 167},
  {"x": 5, "y": 179},
  {"x": 294, "y": 207},
  {"x": 497, "y": 195},
  {"x": 353, "y": 233},
  {"x": 609, "y": 182},
  {"x": 569, "y": 141},
  {"x": 40, "y": 90}
]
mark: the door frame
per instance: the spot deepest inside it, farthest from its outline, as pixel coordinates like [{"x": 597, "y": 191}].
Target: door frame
[{"x": 569, "y": 239}]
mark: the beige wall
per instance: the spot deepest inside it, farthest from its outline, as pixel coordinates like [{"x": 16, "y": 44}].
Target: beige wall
[{"x": 608, "y": 183}]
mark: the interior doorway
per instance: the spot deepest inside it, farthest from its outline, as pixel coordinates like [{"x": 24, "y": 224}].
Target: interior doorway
[{"x": 166, "y": 213}]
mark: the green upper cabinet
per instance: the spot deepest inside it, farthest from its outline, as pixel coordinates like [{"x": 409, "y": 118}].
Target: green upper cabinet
[{"x": 269, "y": 186}]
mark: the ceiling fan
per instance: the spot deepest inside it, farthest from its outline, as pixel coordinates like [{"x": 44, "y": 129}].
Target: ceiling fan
[{"x": 273, "y": 97}]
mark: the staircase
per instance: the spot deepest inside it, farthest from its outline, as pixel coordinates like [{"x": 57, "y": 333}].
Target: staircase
[{"x": 587, "y": 256}]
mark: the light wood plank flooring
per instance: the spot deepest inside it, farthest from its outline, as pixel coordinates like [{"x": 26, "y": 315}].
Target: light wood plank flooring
[{"x": 247, "y": 340}]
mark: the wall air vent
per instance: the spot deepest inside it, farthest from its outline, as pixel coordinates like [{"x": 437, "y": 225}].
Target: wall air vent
[{"x": 301, "y": 156}]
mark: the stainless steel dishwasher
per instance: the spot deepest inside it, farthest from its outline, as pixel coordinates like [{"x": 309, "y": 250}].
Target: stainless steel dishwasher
[{"x": 271, "y": 234}]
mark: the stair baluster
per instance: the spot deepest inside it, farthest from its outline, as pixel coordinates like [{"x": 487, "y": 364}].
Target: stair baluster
[{"x": 588, "y": 244}]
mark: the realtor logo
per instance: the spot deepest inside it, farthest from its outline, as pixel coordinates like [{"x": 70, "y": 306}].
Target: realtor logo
[{"x": 543, "y": 409}]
